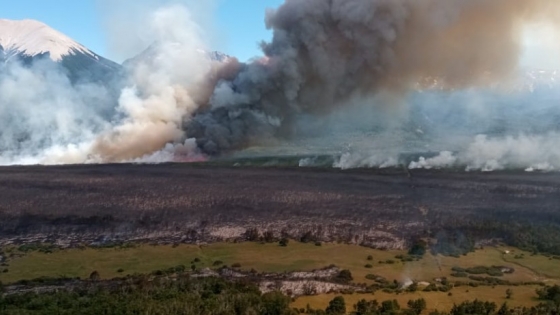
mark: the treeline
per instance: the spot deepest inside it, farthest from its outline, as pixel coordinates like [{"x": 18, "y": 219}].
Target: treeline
[
  {"x": 549, "y": 297},
  {"x": 143, "y": 295},
  {"x": 186, "y": 295}
]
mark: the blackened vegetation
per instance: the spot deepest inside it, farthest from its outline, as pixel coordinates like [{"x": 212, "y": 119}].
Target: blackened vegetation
[{"x": 99, "y": 204}]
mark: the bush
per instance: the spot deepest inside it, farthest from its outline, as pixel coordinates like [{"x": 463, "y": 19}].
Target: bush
[
  {"x": 369, "y": 266},
  {"x": 120, "y": 270},
  {"x": 236, "y": 265},
  {"x": 371, "y": 277},
  {"x": 337, "y": 306},
  {"x": 459, "y": 274},
  {"x": 283, "y": 242},
  {"x": 418, "y": 248},
  {"x": 370, "y": 257},
  {"x": 218, "y": 263},
  {"x": 344, "y": 276}
]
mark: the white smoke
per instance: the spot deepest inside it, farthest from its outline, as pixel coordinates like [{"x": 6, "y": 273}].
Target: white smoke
[
  {"x": 522, "y": 152},
  {"x": 44, "y": 118},
  {"x": 443, "y": 160},
  {"x": 531, "y": 152},
  {"x": 163, "y": 91},
  {"x": 49, "y": 120},
  {"x": 179, "y": 105},
  {"x": 360, "y": 160}
]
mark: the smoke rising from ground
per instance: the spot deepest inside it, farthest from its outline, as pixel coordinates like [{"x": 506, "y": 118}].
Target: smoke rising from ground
[
  {"x": 325, "y": 56},
  {"x": 163, "y": 91},
  {"x": 49, "y": 120},
  {"x": 325, "y": 52},
  {"x": 44, "y": 117}
]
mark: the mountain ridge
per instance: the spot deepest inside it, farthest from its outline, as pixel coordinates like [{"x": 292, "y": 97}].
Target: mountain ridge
[
  {"x": 32, "y": 38},
  {"x": 28, "y": 41}
]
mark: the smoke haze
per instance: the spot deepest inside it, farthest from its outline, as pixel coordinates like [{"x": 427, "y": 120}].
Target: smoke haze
[
  {"x": 325, "y": 53},
  {"x": 433, "y": 75}
]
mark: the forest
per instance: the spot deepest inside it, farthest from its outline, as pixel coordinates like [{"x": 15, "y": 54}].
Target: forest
[{"x": 184, "y": 295}]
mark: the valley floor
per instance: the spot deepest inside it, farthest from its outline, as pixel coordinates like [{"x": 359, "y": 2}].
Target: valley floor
[{"x": 530, "y": 271}]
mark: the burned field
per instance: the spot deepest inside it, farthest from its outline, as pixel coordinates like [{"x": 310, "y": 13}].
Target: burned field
[{"x": 187, "y": 203}]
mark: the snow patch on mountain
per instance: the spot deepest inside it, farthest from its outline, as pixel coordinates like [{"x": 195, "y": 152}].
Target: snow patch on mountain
[{"x": 32, "y": 38}]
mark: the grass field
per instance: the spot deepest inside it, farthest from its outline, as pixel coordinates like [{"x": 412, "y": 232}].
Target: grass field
[
  {"x": 143, "y": 259},
  {"x": 522, "y": 296},
  {"x": 296, "y": 256}
]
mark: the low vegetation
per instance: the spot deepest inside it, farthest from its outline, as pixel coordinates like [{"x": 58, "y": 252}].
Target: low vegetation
[{"x": 367, "y": 270}]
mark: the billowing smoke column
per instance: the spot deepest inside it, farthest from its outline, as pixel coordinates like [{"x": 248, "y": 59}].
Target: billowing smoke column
[
  {"x": 325, "y": 52},
  {"x": 165, "y": 87},
  {"x": 179, "y": 105}
]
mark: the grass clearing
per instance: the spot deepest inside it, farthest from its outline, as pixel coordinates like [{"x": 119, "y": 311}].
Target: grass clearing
[
  {"x": 522, "y": 296},
  {"x": 145, "y": 258},
  {"x": 268, "y": 258}
]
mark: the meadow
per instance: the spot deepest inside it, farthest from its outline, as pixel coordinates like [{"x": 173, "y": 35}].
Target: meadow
[{"x": 142, "y": 259}]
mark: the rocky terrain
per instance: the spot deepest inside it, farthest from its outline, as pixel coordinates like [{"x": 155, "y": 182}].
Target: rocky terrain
[{"x": 193, "y": 203}]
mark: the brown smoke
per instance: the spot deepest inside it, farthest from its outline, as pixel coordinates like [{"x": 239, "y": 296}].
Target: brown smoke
[
  {"x": 465, "y": 42},
  {"x": 334, "y": 48},
  {"x": 325, "y": 52}
]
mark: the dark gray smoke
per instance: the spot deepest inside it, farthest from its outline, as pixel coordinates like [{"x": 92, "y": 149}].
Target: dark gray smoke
[{"x": 326, "y": 52}]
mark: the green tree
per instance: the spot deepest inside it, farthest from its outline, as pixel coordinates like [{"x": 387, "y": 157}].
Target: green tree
[
  {"x": 337, "y": 306},
  {"x": 504, "y": 310},
  {"x": 344, "y": 276},
  {"x": 418, "y": 248},
  {"x": 549, "y": 293},
  {"x": 390, "y": 307},
  {"x": 417, "y": 306},
  {"x": 364, "y": 307},
  {"x": 413, "y": 287},
  {"x": 275, "y": 303}
]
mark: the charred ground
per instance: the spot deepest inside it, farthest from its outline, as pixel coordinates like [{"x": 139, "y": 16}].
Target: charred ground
[{"x": 172, "y": 203}]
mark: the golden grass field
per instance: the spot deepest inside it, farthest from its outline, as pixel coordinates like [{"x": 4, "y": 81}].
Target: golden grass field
[
  {"x": 297, "y": 256},
  {"x": 522, "y": 296}
]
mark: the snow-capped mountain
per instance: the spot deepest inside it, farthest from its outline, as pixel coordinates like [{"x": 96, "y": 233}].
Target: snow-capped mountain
[
  {"x": 32, "y": 38},
  {"x": 28, "y": 40}
]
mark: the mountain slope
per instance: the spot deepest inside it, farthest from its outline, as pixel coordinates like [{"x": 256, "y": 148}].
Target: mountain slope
[
  {"x": 27, "y": 41},
  {"x": 32, "y": 38}
]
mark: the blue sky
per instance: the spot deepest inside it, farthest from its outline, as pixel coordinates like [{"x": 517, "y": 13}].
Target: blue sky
[{"x": 238, "y": 23}]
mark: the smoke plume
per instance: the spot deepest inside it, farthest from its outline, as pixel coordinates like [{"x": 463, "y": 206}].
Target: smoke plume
[
  {"x": 325, "y": 52},
  {"x": 178, "y": 105},
  {"x": 163, "y": 90},
  {"x": 49, "y": 120}
]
